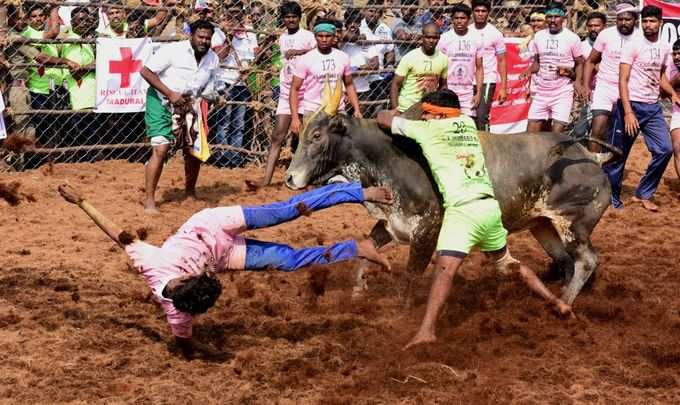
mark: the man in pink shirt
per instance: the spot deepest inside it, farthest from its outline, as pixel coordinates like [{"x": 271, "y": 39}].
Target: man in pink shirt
[
  {"x": 463, "y": 47},
  {"x": 558, "y": 61},
  {"x": 314, "y": 68},
  {"x": 293, "y": 43},
  {"x": 180, "y": 273},
  {"x": 642, "y": 71},
  {"x": 674, "y": 77},
  {"x": 603, "y": 65},
  {"x": 493, "y": 56}
]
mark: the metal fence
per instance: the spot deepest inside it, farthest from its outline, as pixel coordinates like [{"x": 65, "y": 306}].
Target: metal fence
[{"x": 45, "y": 126}]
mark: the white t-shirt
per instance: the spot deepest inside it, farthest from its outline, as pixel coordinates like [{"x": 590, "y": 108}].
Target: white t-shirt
[
  {"x": 243, "y": 45},
  {"x": 586, "y": 48},
  {"x": 357, "y": 57},
  {"x": 646, "y": 59},
  {"x": 175, "y": 65},
  {"x": 609, "y": 43},
  {"x": 382, "y": 32},
  {"x": 493, "y": 45}
]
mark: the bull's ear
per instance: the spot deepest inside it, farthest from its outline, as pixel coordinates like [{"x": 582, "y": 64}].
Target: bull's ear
[{"x": 337, "y": 125}]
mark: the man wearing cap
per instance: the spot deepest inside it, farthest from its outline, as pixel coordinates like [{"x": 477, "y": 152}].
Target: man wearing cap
[
  {"x": 472, "y": 216},
  {"x": 641, "y": 76},
  {"x": 313, "y": 69},
  {"x": 558, "y": 57},
  {"x": 606, "y": 55}
]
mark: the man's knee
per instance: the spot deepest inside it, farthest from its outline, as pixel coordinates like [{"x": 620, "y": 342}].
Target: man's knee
[{"x": 160, "y": 151}]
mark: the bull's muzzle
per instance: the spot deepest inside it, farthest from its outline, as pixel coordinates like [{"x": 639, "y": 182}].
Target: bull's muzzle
[{"x": 293, "y": 182}]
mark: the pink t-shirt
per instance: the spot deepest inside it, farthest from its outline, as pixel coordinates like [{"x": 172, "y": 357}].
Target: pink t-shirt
[
  {"x": 554, "y": 51},
  {"x": 493, "y": 44},
  {"x": 646, "y": 60},
  {"x": 207, "y": 241},
  {"x": 609, "y": 43},
  {"x": 301, "y": 40},
  {"x": 671, "y": 72},
  {"x": 312, "y": 68},
  {"x": 462, "y": 52}
]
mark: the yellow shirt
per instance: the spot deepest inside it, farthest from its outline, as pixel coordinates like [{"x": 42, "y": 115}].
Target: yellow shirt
[{"x": 422, "y": 73}]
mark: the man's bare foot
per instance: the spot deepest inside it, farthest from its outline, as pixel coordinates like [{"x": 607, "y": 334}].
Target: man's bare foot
[
  {"x": 564, "y": 310},
  {"x": 367, "y": 250},
  {"x": 378, "y": 194},
  {"x": 150, "y": 208},
  {"x": 646, "y": 204},
  {"x": 420, "y": 339}
]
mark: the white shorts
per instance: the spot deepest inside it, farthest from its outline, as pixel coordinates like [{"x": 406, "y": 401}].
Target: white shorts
[
  {"x": 159, "y": 140},
  {"x": 283, "y": 107},
  {"x": 675, "y": 120},
  {"x": 466, "y": 104},
  {"x": 605, "y": 96},
  {"x": 557, "y": 107}
]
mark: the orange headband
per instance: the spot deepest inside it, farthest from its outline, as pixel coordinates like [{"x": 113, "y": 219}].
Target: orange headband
[{"x": 445, "y": 111}]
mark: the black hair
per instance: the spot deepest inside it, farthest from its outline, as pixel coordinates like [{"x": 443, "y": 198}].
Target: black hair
[
  {"x": 651, "y": 11},
  {"x": 442, "y": 98},
  {"x": 201, "y": 24},
  {"x": 481, "y": 3},
  {"x": 29, "y": 8},
  {"x": 136, "y": 15},
  {"x": 461, "y": 8},
  {"x": 597, "y": 15},
  {"x": 197, "y": 294},
  {"x": 373, "y": 3},
  {"x": 291, "y": 7},
  {"x": 353, "y": 16},
  {"x": 79, "y": 10},
  {"x": 676, "y": 45},
  {"x": 557, "y": 5}
]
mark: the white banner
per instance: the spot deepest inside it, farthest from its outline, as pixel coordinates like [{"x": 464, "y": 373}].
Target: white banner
[
  {"x": 3, "y": 130},
  {"x": 120, "y": 87}
]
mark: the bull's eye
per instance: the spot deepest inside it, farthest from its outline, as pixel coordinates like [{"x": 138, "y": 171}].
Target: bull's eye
[{"x": 316, "y": 135}]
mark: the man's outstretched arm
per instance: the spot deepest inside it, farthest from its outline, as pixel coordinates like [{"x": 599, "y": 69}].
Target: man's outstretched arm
[{"x": 114, "y": 231}]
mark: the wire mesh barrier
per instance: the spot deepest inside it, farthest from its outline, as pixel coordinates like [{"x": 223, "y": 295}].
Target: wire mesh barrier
[{"x": 52, "y": 83}]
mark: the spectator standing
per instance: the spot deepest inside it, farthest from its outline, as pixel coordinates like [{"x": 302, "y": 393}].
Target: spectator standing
[
  {"x": 463, "y": 48},
  {"x": 238, "y": 54},
  {"x": 407, "y": 28},
  {"x": 313, "y": 69},
  {"x": 173, "y": 71},
  {"x": 421, "y": 71},
  {"x": 493, "y": 58},
  {"x": 117, "y": 18},
  {"x": 595, "y": 24},
  {"x": 374, "y": 30},
  {"x": 293, "y": 43},
  {"x": 359, "y": 58},
  {"x": 606, "y": 55},
  {"x": 558, "y": 61},
  {"x": 673, "y": 74},
  {"x": 437, "y": 15},
  {"x": 44, "y": 83},
  {"x": 641, "y": 76},
  {"x": 81, "y": 80}
]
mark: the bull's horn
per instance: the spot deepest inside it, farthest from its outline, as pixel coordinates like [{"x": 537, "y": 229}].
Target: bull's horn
[
  {"x": 334, "y": 103},
  {"x": 326, "y": 94}
]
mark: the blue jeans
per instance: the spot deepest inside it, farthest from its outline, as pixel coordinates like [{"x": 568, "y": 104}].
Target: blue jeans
[
  {"x": 260, "y": 255},
  {"x": 229, "y": 128},
  {"x": 658, "y": 140}
]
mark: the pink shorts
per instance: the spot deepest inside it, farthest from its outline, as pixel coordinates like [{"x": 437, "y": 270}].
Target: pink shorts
[
  {"x": 675, "y": 119},
  {"x": 283, "y": 108},
  {"x": 605, "y": 96},
  {"x": 557, "y": 107},
  {"x": 466, "y": 104}
]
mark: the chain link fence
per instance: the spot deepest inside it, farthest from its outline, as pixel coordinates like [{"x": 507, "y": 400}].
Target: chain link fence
[{"x": 44, "y": 67}]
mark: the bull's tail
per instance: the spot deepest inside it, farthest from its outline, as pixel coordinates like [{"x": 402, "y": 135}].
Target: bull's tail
[{"x": 613, "y": 153}]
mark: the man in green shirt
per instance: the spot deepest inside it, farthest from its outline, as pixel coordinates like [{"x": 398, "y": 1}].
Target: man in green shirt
[
  {"x": 420, "y": 71},
  {"x": 472, "y": 216}
]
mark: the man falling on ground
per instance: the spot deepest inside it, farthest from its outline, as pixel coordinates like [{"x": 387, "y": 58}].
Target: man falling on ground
[
  {"x": 472, "y": 216},
  {"x": 641, "y": 76},
  {"x": 180, "y": 272}
]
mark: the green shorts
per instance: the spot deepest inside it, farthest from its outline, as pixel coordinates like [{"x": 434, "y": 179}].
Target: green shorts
[
  {"x": 477, "y": 223},
  {"x": 157, "y": 117}
]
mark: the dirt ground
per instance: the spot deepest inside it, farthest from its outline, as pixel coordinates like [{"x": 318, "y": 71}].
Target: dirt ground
[{"x": 77, "y": 324}]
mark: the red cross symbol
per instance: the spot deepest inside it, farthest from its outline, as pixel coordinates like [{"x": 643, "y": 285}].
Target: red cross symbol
[{"x": 125, "y": 67}]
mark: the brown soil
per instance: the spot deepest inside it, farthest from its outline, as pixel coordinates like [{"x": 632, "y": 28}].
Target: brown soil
[{"x": 77, "y": 323}]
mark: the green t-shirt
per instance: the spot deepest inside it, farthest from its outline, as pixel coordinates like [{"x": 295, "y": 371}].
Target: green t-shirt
[
  {"x": 43, "y": 81},
  {"x": 451, "y": 147},
  {"x": 82, "y": 94},
  {"x": 421, "y": 73}
]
